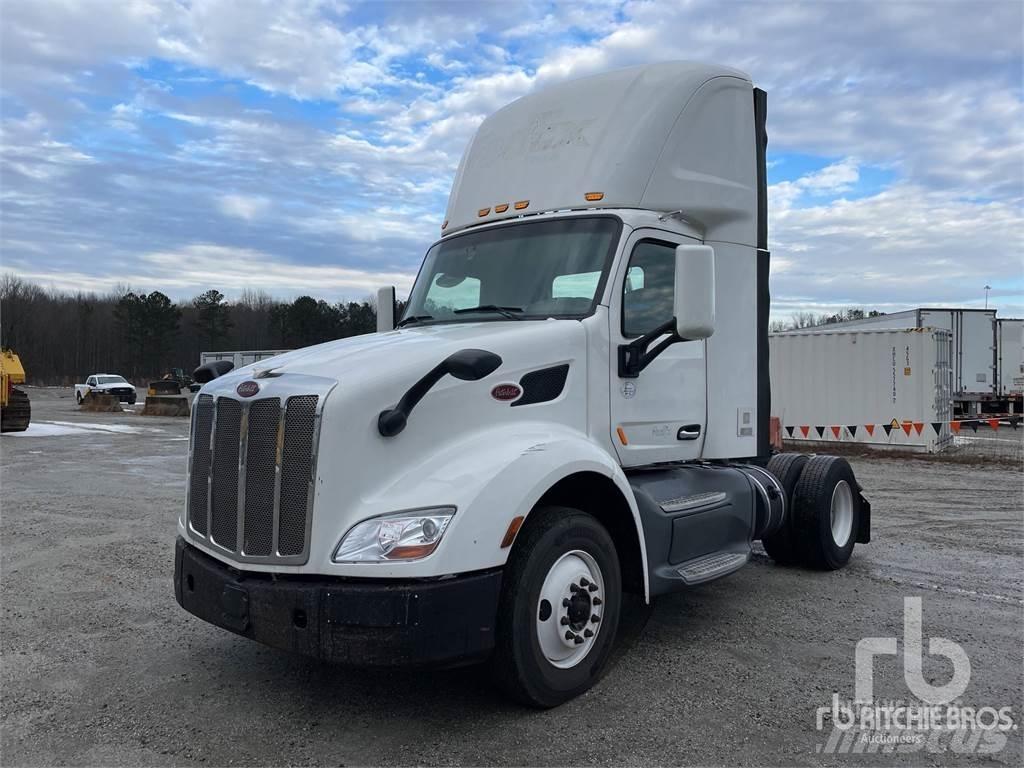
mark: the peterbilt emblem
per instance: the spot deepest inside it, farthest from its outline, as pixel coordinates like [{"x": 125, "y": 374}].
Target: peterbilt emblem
[
  {"x": 247, "y": 388},
  {"x": 506, "y": 393}
]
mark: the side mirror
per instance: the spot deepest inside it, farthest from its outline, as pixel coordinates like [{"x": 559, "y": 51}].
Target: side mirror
[
  {"x": 471, "y": 364},
  {"x": 694, "y": 305},
  {"x": 386, "y": 309},
  {"x": 212, "y": 370}
]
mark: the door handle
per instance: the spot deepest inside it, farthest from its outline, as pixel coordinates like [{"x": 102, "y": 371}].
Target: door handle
[{"x": 688, "y": 432}]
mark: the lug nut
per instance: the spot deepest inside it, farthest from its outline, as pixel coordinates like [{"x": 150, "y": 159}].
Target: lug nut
[
  {"x": 598, "y": 601},
  {"x": 565, "y": 602},
  {"x": 587, "y": 633},
  {"x": 584, "y": 582},
  {"x": 565, "y": 621},
  {"x": 574, "y": 588},
  {"x": 569, "y": 635},
  {"x": 592, "y": 587},
  {"x": 595, "y": 618},
  {"x": 578, "y": 640}
]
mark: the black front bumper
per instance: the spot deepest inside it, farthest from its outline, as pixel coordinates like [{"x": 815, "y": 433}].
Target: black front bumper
[{"x": 438, "y": 622}]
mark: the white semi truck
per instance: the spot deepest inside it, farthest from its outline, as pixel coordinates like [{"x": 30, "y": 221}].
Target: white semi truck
[{"x": 574, "y": 406}]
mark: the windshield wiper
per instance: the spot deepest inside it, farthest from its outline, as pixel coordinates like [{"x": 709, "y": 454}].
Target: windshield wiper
[
  {"x": 504, "y": 311},
  {"x": 414, "y": 319}
]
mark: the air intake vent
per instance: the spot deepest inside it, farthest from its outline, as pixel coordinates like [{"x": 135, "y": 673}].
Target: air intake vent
[{"x": 543, "y": 385}]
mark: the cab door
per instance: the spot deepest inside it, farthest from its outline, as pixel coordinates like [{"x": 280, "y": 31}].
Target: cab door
[{"x": 660, "y": 415}]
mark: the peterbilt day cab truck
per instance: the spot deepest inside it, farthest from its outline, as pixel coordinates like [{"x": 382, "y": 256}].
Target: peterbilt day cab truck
[{"x": 574, "y": 406}]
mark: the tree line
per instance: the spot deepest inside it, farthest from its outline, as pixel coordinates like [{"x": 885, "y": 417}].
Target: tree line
[
  {"x": 800, "y": 320},
  {"x": 62, "y": 337}
]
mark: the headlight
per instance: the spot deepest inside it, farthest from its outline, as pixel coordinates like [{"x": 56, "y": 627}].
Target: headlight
[{"x": 401, "y": 536}]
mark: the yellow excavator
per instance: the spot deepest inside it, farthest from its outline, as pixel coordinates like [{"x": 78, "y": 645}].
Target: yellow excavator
[{"x": 15, "y": 409}]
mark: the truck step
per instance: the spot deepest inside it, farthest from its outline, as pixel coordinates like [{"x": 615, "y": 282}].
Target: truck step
[
  {"x": 686, "y": 503},
  {"x": 712, "y": 566}
]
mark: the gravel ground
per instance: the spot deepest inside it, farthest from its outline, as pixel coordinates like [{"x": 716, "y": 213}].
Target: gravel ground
[{"x": 101, "y": 666}]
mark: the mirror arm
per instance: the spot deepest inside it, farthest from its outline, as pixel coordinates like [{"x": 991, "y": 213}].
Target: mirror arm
[
  {"x": 391, "y": 421},
  {"x": 636, "y": 356}
]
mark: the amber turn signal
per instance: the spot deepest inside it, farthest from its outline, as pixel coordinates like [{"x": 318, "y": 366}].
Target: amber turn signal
[{"x": 513, "y": 529}]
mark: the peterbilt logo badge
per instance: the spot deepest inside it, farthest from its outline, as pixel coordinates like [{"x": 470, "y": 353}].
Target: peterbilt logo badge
[
  {"x": 247, "y": 388},
  {"x": 506, "y": 393}
]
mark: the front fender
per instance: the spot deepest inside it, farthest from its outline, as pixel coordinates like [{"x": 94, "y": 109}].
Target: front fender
[{"x": 492, "y": 477}]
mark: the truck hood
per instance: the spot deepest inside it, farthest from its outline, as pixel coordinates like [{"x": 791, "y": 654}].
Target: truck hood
[{"x": 408, "y": 353}]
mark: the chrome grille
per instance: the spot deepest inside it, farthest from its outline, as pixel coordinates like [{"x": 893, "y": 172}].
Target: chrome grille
[
  {"x": 251, "y": 476},
  {"x": 296, "y": 474},
  {"x": 260, "y": 476},
  {"x": 199, "y": 479},
  {"x": 224, "y": 509}
]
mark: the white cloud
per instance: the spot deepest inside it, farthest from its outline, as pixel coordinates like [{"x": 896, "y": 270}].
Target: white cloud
[
  {"x": 193, "y": 268},
  {"x": 245, "y": 207},
  {"x": 931, "y": 92}
]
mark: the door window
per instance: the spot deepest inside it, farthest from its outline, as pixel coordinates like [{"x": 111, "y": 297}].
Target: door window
[{"x": 649, "y": 288}]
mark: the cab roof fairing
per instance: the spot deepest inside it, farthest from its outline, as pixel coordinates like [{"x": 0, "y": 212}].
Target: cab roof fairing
[{"x": 676, "y": 136}]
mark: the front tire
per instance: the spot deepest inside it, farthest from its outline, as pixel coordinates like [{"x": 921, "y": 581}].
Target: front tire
[
  {"x": 559, "y": 609},
  {"x": 78, "y": 397}
]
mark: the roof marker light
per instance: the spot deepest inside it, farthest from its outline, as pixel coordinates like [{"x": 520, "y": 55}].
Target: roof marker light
[
  {"x": 483, "y": 212},
  {"x": 593, "y": 197},
  {"x": 501, "y": 208},
  {"x": 521, "y": 204}
]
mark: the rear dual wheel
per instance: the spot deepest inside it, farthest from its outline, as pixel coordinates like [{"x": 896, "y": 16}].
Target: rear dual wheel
[
  {"x": 824, "y": 511},
  {"x": 559, "y": 609}
]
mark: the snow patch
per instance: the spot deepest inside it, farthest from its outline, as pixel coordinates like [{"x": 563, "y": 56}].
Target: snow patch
[{"x": 63, "y": 428}]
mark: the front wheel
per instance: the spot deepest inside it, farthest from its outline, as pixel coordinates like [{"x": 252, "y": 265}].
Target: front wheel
[
  {"x": 78, "y": 397},
  {"x": 559, "y": 609}
]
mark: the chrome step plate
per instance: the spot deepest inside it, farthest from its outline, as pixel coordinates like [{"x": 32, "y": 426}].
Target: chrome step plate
[{"x": 712, "y": 566}]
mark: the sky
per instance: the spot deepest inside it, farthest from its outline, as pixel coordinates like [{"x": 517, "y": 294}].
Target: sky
[{"x": 308, "y": 147}]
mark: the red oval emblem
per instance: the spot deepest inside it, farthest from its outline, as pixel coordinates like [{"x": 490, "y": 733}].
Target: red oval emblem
[
  {"x": 247, "y": 388},
  {"x": 506, "y": 392}
]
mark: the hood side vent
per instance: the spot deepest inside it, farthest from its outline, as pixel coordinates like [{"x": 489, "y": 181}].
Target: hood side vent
[{"x": 543, "y": 385}]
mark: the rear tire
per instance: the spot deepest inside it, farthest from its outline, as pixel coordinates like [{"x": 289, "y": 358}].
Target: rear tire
[
  {"x": 17, "y": 414},
  {"x": 780, "y": 545},
  {"x": 826, "y": 507},
  {"x": 563, "y": 577},
  {"x": 78, "y": 397}
]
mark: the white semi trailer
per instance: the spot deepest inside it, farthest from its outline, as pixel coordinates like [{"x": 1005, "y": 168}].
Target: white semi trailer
[{"x": 575, "y": 405}]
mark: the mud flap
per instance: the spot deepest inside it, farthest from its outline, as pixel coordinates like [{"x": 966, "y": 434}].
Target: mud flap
[{"x": 864, "y": 527}]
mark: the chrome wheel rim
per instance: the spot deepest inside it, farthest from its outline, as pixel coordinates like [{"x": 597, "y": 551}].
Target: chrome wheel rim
[
  {"x": 570, "y": 610},
  {"x": 842, "y": 513}
]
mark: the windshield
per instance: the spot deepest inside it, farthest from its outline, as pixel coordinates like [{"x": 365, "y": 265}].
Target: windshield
[
  {"x": 110, "y": 380},
  {"x": 532, "y": 270}
]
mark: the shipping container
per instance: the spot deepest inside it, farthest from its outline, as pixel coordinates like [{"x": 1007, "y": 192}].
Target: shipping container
[
  {"x": 972, "y": 343},
  {"x": 1010, "y": 358},
  {"x": 240, "y": 358},
  {"x": 888, "y": 387}
]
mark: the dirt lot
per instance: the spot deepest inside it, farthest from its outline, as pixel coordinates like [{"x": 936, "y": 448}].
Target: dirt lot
[{"x": 100, "y": 665}]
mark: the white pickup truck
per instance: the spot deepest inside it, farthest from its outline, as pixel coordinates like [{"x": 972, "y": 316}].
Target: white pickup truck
[
  {"x": 575, "y": 405},
  {"x": 109, "y": 384}
]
